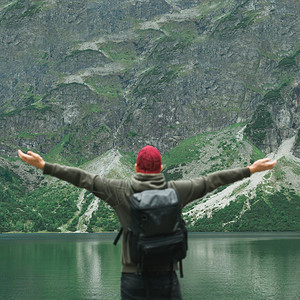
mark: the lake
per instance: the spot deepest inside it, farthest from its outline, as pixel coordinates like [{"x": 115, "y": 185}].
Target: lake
[{"x": 87, "y": 266}]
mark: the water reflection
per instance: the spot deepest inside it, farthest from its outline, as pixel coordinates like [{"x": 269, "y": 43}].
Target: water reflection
[
  {"x": 242, "y": 268},
  {"x": 98, "y": 269},
  {"x": 59, "y": 267},
  {"x": 87, "y": 266}
]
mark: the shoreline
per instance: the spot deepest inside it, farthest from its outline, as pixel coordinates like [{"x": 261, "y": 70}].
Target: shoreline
[{"x": 190, "y": 233}]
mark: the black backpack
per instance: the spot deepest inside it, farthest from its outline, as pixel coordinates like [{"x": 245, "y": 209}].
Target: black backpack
[{"x": 157, "y": 234}]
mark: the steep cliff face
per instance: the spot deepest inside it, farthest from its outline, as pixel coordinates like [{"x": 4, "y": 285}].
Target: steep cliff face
[{"x": 95, "y": 75}]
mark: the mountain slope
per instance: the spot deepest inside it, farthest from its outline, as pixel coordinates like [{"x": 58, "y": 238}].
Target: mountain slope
[
  {"x": 266, "y": 201},
  {"x": 211, "y": 84}
]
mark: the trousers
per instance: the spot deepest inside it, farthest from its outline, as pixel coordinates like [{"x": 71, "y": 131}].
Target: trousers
[{"x": 154, "y": 286}]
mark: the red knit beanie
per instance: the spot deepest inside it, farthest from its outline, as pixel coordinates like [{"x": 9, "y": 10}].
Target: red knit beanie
[{"x": 149, "y": 160}]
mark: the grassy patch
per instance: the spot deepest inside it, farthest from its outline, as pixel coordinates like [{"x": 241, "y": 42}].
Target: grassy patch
[
  {"x": 187, "y": 151},
  {"x": 92, "y": 108},
  {"x": 55, "y": 154},
  {"x": 186, "y": 33},
  {"x": 120, "y": 52},
  {"x": 129, "y": 157},
  {"x": 107, "y": 87},
  {"x": 31, "y": 135},
  {"x": 37, "y": 108}
]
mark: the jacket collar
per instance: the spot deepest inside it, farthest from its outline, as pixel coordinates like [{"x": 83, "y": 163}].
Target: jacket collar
[{"x": 142, "y": 181}]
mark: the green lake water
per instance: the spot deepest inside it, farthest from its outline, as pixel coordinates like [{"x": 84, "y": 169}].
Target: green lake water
[{"x": 87, "y": 266}]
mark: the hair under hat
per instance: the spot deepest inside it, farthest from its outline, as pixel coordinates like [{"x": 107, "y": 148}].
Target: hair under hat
[{"x": 149, "y": 160}]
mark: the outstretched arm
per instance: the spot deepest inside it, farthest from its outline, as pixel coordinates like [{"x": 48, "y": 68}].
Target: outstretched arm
[
  {"x": 190, "y": 190},
  {"x": 262, "y": 165},
  {"x": 32, "y": 158},
  {"x": 109, "y": 190}
]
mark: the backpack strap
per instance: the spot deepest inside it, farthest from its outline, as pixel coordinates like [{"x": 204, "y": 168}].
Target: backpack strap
[
  {"x": 180, "y": 269},
  {"x": 118, "y": 236}
]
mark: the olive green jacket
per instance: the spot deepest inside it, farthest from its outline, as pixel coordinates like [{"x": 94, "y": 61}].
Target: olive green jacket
[{"x": 117, "y": 192}]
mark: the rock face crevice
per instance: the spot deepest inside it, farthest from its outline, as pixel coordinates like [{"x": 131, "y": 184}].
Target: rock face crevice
[{"x": 90, "y": 76}]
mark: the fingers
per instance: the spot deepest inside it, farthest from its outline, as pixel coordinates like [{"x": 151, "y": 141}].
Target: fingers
[
  {"x": 266, "y": 161},
  {"x": 22, "y": 155},
  {"x": 29, "y": 157},
  {"x": 262, "y": 165},
  {"x": 272, "y": 164},
  {"x": 267, "y": 165},
  {"x": 32, "y": 158},
  {"x": 35, "y": 155}
]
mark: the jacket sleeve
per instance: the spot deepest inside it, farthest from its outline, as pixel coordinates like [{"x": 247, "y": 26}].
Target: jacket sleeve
[
  {"x": 109, "y": 190},
  {"x": 190, "y": 190}
]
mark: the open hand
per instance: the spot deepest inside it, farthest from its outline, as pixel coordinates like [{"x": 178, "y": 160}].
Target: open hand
[
  {"x": 262, "y": 165},
  {"x": 32, "y": 158}
]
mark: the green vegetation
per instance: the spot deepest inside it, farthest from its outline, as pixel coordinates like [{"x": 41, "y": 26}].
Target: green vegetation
[
  {"x": 278, "y": 172},
  {"x": 248, "y": 19},
  {"x": 128, "y": 158},
  {"x": 108, "y": 87},
  {"x": 39, "y": 108},
  {"x": 213, "y": 151},
  {"x": 187, "y": 151},
  {"x": 12, "y": 18},
  {"x": 120, "y": 52},
  {"x": 287, "y": 62},
  {"x": 92, "y": 108},
  {"x": 30, "y": 136},
  {"x": 278, "y": 211},
  {"x": 237, "y": 19},
  {"x": 228, "y": 214},
  {"x": 39, "y": 210},
  {"x": 256, "y": 153},
  {"x": 261, "y": 121},
  {"x": 145, "y": 85},
  {"x": 51, "y": 211},
  {"x": 297, "y": 142},
  {"x": 132, "y": 134},
  {"x": 272, "y": 96},
  {"x": 290, "y": 61},
  {"x": 7, "y": 4},
  {"x": 186, "y": 33},
  {"x": 104, "y": 219},
  {"x": 240, "y": 188},
  {"x": 55, "y": 154}
]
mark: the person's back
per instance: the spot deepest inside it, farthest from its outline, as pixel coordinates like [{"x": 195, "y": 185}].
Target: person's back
[{"x": 159, "y": 282}]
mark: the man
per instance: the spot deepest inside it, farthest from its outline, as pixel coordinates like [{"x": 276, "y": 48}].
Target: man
[{"x": 159, "y": 282}]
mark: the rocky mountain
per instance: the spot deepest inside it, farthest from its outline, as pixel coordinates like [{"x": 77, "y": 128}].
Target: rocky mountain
[{"x": 212, "y": 84}]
